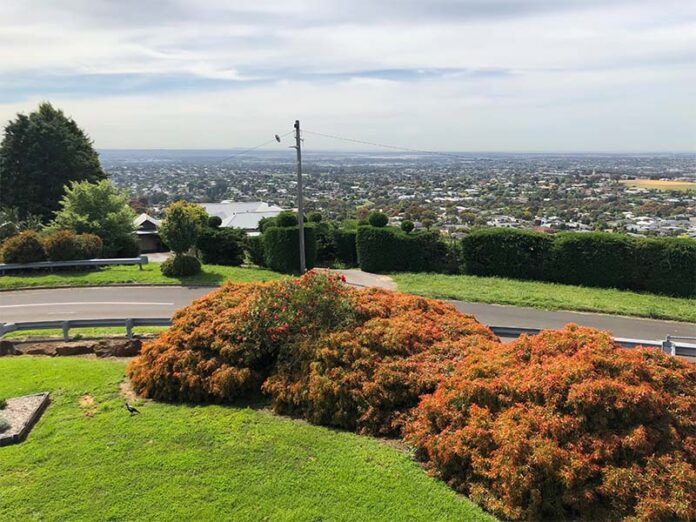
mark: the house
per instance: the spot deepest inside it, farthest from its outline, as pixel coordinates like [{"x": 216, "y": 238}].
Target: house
[
  {"x": 245, "y": 215},
  {"x": 146, "y": 230}
]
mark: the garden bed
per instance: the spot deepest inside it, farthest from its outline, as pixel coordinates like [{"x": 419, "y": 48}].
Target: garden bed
[{"x": 22, "y": 413}]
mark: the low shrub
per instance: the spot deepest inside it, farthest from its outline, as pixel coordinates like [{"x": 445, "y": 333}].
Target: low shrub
[
  {"x": 666, "y": 266},
  {"x": 25, "y": 247},
  {"x": 326, "y": 247},
  {"x": 126, "y": 246},
  {"x": 566, "y": 425},
  {"x": 358, "y": 359},
  {"x": 378, "y": 219},
  {"x": 222, "y": 246},
  {"x": 62, "y": 245},
  {"x": 90, "y": 246},
  {"x": 254, "y": 250},
  {"x": 281, "y": 247},
  {"x": 181, "y": 266},
  {"x": 214, "y": 221},
  {"x": 593, "y": 259},
  {"x": 286, "y": 218},
  {"x": 345, "y": 248},
  {"x": 504, "y": 252}
]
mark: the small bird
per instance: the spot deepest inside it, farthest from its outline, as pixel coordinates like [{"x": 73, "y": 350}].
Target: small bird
[
  {"x": 131, "y": 409},
  {"x": 277, "y": 138}
]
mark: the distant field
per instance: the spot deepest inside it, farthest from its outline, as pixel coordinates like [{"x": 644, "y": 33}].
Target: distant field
[{"x": 659, "y": 184}]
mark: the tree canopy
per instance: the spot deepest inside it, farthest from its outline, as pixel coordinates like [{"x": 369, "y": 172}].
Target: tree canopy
[
  {"x": 183, "y": 223},
  {"x": 101, "y": 209},
  {"x": 39, "y": 155}
]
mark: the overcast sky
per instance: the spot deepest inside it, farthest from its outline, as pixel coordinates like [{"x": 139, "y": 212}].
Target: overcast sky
[{"x": 466, "y": 75}]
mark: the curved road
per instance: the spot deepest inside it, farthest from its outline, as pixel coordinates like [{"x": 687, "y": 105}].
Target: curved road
[{"x": 143, "y": 301}]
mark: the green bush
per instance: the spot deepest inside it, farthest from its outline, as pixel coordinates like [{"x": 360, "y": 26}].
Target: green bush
[
  {"x": 286, "y": 218},
  {"x": 90, "y": 246},
  {"x": 504, "y": 252},
  {"x": 389, "y": 249},
  {"x": 23, "y": 248},
  {"x": 326, "y": 248},
  {"x": 254, "y": 250},
  {"x": 407, "y": 226},
  {"x": 180, "y": 266},
  {"x": 594, "y": 259},
  {"x": 666, "y": 266},
  {"x": 62, "y": 245},
  {"x": 281, "y": 246},
  {"x": 214, "y": 221},
  {"x": 127, "y": 246},
  {"x": 222, "y": 246},
  {"x": 344, "y": 244},
  {"x": 378, "y": 219}
]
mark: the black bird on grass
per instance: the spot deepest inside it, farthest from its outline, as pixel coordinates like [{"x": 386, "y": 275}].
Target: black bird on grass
[{"x": 131, "y": 409}]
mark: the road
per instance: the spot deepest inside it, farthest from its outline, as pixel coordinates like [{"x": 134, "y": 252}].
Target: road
[{"x": 134, "y": 301}]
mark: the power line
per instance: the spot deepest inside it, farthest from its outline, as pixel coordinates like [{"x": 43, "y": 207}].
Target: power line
[
  {"x": 383, "y": 145},
  {"x": 246, "y": 151}
]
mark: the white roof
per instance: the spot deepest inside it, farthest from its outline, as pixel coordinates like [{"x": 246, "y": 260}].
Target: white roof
[
  {"x": 241, "y": 214},
  {"x": 142, "y": 218}
]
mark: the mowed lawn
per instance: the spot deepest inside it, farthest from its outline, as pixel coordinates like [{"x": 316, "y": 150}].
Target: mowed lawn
[
  {"x": 548, "y": 296},
  {"x": 176, "y": 462},
  {"x": 211, "y": 275}
]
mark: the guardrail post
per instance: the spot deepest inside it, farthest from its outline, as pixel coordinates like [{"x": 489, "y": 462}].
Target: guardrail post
[
  {"x": 668, "y": 346},
  {"x": 129, "y": 326},
  {"x": 66, "y": 330}
]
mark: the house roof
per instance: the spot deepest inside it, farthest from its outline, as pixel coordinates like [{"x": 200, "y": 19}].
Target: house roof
[
  {"x": 241, "y": 214},
  {"x": 142, "y": 218}
]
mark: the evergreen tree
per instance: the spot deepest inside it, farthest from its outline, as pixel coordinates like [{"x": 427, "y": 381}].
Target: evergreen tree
[{"x": 39, "y": 155}]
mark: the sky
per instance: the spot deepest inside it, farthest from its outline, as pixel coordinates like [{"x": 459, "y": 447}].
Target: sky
[{"x": 458, "y": 75}]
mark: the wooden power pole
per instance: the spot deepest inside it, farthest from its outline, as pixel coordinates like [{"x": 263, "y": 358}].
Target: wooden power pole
[{"x": 300, "y": 202}]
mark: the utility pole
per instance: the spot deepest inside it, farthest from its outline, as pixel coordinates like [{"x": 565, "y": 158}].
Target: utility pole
[{"x": 300, "y": 203}]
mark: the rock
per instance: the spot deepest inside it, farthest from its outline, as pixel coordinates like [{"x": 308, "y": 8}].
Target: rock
[
  {"x": 117, "y": 347},
  {"x": 74, "y": 348},
  {"x": 37, "y": 349},
  {"x": 7, "y": 348}
]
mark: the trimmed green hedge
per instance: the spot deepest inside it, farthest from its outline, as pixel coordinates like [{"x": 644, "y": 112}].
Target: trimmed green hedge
[
  {"x": 222, "y": 246},
  {"x": 593, "y": 259},
  {"x": 504, "y": 252},
  {"x": 389, "y": 249},
  {"x": 281, "y": 246},
  {"x": 254, "y": 250},
  {"x": 666, "y": 265},
  {"x": 345, "y": 248}
]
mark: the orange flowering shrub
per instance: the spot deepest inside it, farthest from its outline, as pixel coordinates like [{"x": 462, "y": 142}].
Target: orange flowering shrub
[
  {"x": 358, "y": 359},
  {"x": 565, "y": 425}
]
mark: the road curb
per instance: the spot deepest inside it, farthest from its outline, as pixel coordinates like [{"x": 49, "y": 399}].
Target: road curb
[{"x": 108, "y": 285}]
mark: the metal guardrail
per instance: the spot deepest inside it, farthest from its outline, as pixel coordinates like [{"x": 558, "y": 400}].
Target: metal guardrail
[
  {"x": 71, "y": 324},
  {"x": 668, "y": 346},
  {"x": 50, "y": 265}
]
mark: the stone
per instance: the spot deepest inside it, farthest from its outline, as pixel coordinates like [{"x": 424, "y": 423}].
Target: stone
[{"x": 7, "y": 348}]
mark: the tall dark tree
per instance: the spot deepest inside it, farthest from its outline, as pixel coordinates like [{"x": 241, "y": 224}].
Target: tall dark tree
[{"x": 39, "y": 155}]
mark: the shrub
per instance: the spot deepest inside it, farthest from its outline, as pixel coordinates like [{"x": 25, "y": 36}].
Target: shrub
[
  {"x": 183, "y": 223},
  {"x": 407, "y": 226},
  {"x": 126, "y": 246},
  {"x": 222, "y": 246},
  {"x": 388, "y": 249},
  {"x": 4, "y": 424},
  {"x": 344, "y": 245},
  {"x": 315, "y": 217},
  {"x": 180, "y": 265},
  {"x": 378, "y": 219},
  {"x": 566, "y": 425},
  {"x": 254, "y": 250},
  {"x": 505, "y": 252},
  {"x": 326, "y": 248},
  {"x": 594, "y": 259},
  {"x": 91, "y": 246},
  {"x": 281, "y": 246},
  {"x": 666, "y": 266},
  {"x": 62, "y": 245},
  {"x": 23, "y": 248},
  {"x": 214, "y": 221},
  {"x": 359, "y": 359},
  {"x": 286, "y": 218}
]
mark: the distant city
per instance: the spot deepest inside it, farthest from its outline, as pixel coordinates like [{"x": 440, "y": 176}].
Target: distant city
[{"x": 640, "y": 194}]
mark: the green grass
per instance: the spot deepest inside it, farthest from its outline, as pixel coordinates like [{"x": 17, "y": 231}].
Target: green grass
[
  {"x": 178, "y": 462},
  {"x": 548, "y": 296},
  {"x": 83, "y": 333},
  {"x": 211, "y": 275}
]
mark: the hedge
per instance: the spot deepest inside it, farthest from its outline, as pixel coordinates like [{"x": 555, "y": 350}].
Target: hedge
[
  {"x": 62, "y": 245},
  {"x": 222, "y": 246},
  {"x": 504, "y": 252},
  {"x": 254, "y": 250},
  {"x": 281, "y": 247},
  {"x": 345, "y": 248},
  {"x": 666, "y": 265},
  {"x": 23, "y": 248},
  {"x": 389, "y": 249}
]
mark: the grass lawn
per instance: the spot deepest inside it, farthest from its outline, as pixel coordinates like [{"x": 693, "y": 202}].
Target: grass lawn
[
  {"x": 548, "y": 296},
  {"x": 178, "y": 462},
  {"x": 83, "y": 333},
  {"x": 212, "y": 275}
]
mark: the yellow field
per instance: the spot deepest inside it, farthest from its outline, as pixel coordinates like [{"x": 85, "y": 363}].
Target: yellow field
[{"x": 659, "y": 184}]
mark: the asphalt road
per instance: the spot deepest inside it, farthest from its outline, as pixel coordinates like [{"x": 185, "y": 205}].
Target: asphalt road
[{"x": 123, "y": 302}]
